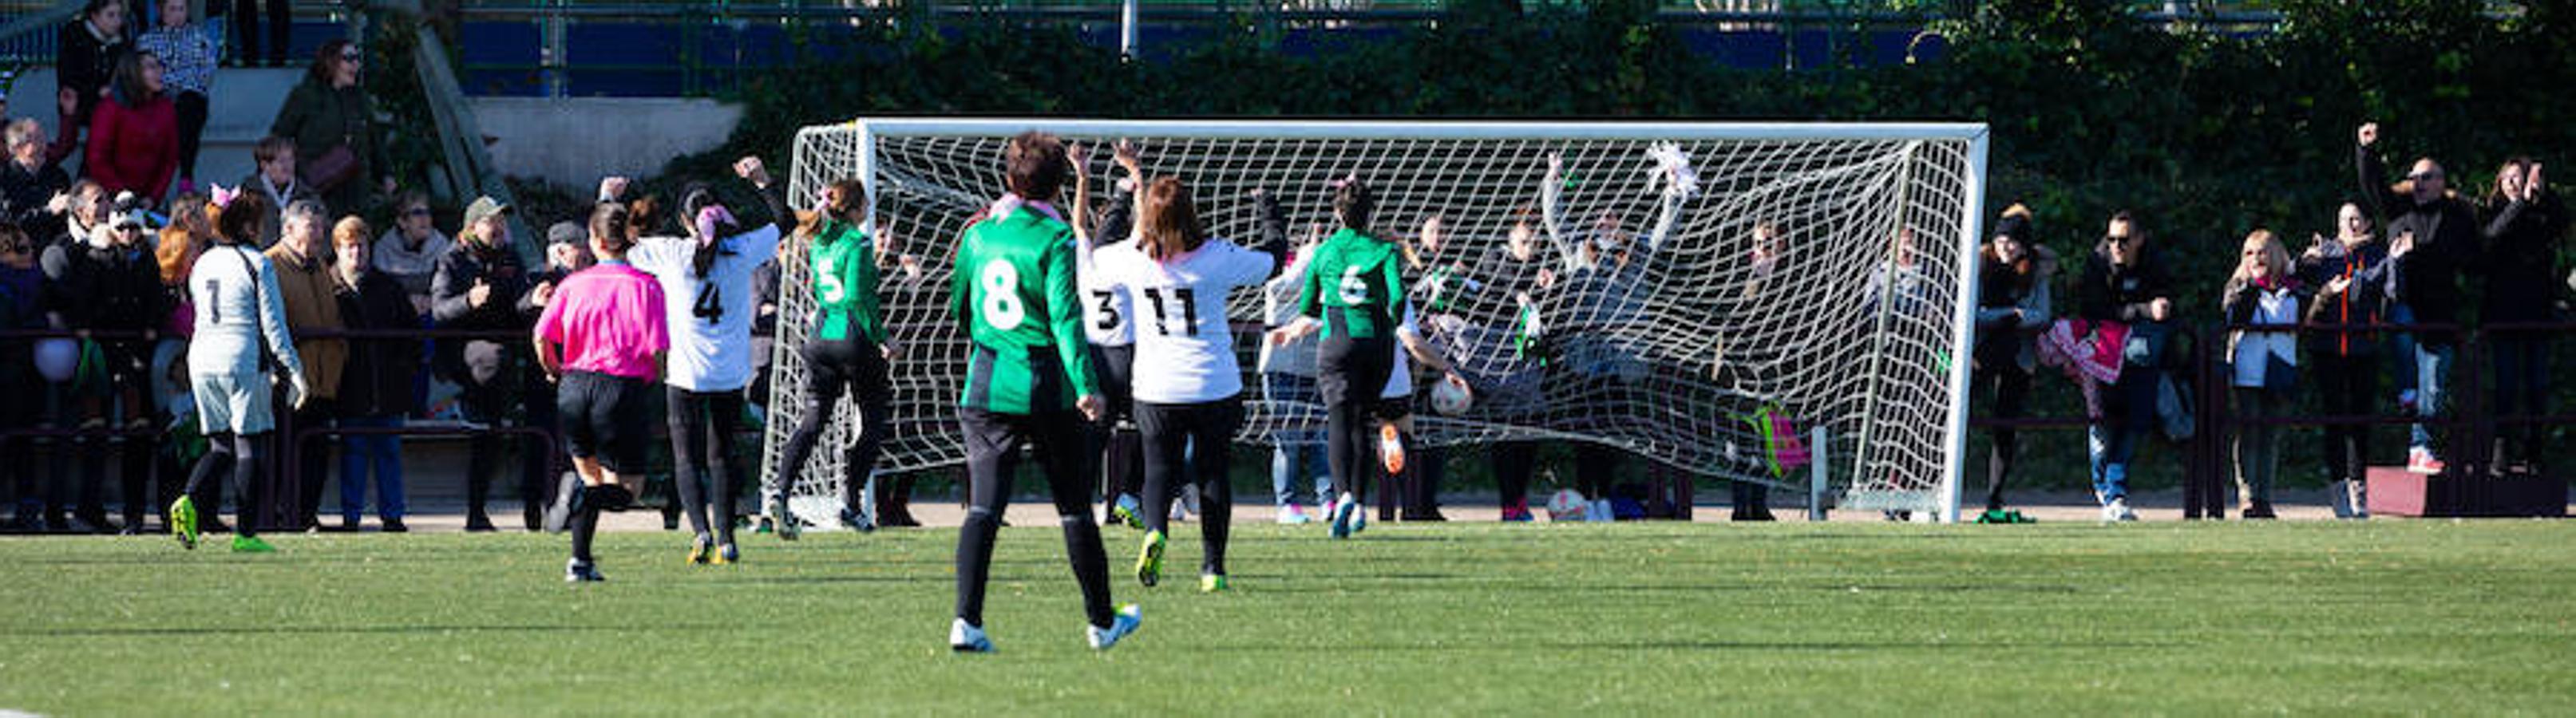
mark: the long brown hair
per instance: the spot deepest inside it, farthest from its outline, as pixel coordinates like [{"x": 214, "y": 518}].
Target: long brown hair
[
  {"x": 180, "y": 244},
  {"x": 848, "y": 198},
  {"x": 1167, "y": 221}
]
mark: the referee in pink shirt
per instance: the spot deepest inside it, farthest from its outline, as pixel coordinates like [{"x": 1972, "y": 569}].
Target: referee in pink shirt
[{"x": 602, "y": 338}]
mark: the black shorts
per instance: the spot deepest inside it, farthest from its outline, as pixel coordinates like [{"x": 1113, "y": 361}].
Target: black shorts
[{"x": 605, "y": 417}]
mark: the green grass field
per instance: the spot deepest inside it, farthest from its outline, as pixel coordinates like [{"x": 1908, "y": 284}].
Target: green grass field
[{"x": 2378, "y": 617}]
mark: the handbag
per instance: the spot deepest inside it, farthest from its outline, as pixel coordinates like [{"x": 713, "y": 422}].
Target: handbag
[{"x": 331, "y": 170}]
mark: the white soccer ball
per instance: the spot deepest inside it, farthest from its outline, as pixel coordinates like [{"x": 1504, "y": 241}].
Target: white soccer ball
[
  {"x": 1451, "y": 399},
  {"x": 1567, "y": 505}
]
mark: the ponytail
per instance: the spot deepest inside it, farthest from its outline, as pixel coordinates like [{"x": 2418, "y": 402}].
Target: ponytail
[{"x": 608, "y": 228}]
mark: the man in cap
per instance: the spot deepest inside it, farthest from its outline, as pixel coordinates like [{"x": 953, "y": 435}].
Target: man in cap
[{"x": 479, "y": 286}]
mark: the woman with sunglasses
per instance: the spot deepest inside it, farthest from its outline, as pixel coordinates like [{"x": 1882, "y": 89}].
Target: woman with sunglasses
[{"x": 331, "y": 121}]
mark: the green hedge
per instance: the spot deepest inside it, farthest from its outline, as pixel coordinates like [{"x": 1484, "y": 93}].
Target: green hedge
[{"x": 2205, "y": 136}]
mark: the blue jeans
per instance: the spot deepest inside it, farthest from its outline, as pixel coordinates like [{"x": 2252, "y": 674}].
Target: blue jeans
[
  {"x": 384, "y": 452},
  {"x": 2130, "y": 412},
  {"x": 2401, "y": 355},
  {"x": 2432, "y": 379},
  {"x": 1296, "y": 451}
]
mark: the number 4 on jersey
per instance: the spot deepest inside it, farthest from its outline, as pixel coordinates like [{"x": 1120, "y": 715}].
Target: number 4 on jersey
[{"x": 710, "y": 306}]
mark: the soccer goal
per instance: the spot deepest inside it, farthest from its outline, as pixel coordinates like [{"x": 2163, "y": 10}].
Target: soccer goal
[{"x": 1706, "y": 295}]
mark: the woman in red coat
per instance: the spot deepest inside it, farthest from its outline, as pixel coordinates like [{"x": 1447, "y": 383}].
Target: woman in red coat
[{"x": 134, "y": 135}]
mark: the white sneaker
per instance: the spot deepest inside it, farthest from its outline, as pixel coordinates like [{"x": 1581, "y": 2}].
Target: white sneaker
[
  {"x": 1345, "y": 512},
  {"x": 964, "y": 637},
  {"x": 1125, "y": 623},
  {"x": 1359, "y": 517},
  {"x": 2119, "y": 510},
  {"x": 1294, "y": 515},
  {"x": 2359, "y": 497}
]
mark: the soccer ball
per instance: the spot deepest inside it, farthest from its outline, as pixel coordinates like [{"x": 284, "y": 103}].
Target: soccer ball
[
  {"x": 1451, "y": 399},
  {"x": 1567, "y": 505}
]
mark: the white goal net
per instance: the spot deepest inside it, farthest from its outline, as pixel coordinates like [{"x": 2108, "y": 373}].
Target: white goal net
[{"x": 1703, "y": 295}]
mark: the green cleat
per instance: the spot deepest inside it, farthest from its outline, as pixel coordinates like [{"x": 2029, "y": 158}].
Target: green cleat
[
  {"x": 1213, "y": 583},
  {"x": 183, "y": 522},
  {"x": 251, "y": 544},
  {"x": 1149, "y": 562},
  {"x": 1126, "y": 512}
]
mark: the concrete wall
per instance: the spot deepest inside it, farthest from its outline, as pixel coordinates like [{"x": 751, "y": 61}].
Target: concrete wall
[{"x": 575, "y": 141}]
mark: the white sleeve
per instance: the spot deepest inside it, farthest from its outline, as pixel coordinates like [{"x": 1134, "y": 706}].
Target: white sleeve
[
  {"x": 660, "y": 255},
  {"x": 271, "y": 305},
  {"x": 1248, "y": 266}
]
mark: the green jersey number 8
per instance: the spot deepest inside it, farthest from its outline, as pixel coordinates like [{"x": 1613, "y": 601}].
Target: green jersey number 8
[
  {"x": 1001, "y": 304},
  {"x": 1355, "y": 289}
]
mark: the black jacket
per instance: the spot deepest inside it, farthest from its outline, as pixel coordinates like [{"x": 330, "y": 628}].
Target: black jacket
[
  {"x": 378, "y": 379},
  {"x": 2521, "y": 258},
  {"x": 116, "y": 288},
  {"x": 2111, "y": 292},
  {"x": 2446, "y": 242},
  {"x": 457, "y": 272},
  {"x": 23, "y": 196},
  {"x": 2364, "y": 301},
  {"x": 83, "y": 62}
]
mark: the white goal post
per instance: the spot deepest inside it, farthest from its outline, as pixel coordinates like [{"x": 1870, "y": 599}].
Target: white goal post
[{"x": 1695, "y": 293}]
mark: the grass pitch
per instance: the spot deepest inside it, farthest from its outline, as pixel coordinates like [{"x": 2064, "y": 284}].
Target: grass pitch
[{"x": 2378, "y": 617}]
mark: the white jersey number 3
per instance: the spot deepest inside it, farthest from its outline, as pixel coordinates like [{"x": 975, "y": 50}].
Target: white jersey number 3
[{"x": 1001, "y": 305}]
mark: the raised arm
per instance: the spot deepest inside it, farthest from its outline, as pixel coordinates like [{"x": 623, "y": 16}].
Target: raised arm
[
  {"x": 2373, "y": 175},
  {"x": 1551, "y": 209},
  {"x": 1274, "y": 231}
]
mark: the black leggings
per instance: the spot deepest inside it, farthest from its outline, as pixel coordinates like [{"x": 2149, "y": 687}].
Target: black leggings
[
  {"x": 1190, "y": 442},
  {"x": 243, "y": 454},
  {"x": 993, "y": 444},
  {"x": 1351, "y": 373},
  {"x": 858, "y": 367},
  {"x": 2346, "y": 386},
  {"x": 699, "y": 420},
  {"x": 192, "y": 131},
  {"x": 1116, "y": 449},
  {"x": 2011, "y": 389},
  {"x": 1513, "y": 462}
]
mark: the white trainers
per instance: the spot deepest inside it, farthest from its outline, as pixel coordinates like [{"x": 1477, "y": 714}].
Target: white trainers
[
  {"x": 1294, "y": 515},
  {"x": 964, "y": 637},
  {"x": 1124, "y": 624},
  {"x": 2358, "y": 494},
  {"x": 1345, "y": 512},
  {"x": 2119, "y": 510}
]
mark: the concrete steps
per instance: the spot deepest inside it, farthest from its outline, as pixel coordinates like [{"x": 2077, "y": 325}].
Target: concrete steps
[{"x": 240, "y": 105}]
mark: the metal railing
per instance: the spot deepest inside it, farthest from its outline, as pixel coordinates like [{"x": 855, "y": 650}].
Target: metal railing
[{"x": 2208, "y": 474}]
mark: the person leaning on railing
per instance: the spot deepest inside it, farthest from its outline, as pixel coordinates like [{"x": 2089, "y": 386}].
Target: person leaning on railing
[
  {"x": 2012, "y": 307},
  {"x": 2525, "y": 224},
  {"x": 32, "y": 187},
  {"x": 2126, "y": 285}
]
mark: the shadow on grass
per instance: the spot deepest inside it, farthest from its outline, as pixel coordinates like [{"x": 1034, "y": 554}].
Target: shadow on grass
[{"x": 1690, "y": 645}]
